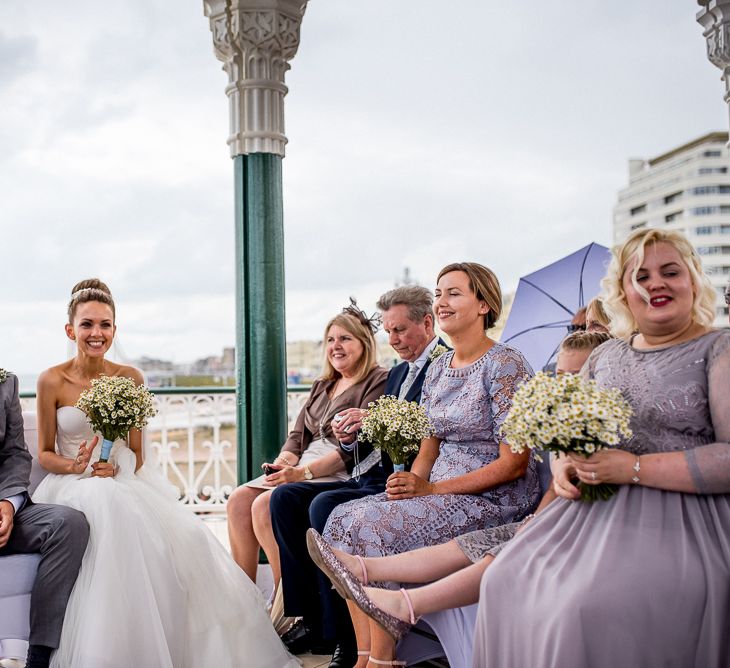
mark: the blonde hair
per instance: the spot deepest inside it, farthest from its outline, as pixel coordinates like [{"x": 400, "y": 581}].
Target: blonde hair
[
  {"x": 623, "y": 324},
  {"x": 595, "y": 306},
  {"x": 584, "y": 340},
  {"x": 364, "y": 334},
  {"x": 484, "y": 284}
]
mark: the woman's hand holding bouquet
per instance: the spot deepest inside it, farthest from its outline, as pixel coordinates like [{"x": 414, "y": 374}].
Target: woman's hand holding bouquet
[
  {"x": 114, "y": 405},
  {"x": 575, "y": 419}
]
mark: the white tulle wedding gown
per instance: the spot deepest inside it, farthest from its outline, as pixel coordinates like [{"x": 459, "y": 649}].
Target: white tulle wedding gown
[{"x": 156, "y": 589}]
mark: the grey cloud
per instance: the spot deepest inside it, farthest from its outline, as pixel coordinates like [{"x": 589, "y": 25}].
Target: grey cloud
[{"x": 18, "y": 56}]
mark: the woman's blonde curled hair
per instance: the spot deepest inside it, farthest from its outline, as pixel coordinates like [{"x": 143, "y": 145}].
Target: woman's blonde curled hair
[
  {"x": 623, "y": 324},
  {"x": 363, "y": 332}
]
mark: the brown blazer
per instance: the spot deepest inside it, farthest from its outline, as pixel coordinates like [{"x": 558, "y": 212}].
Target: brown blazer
[{"x": 317, "y": 410}]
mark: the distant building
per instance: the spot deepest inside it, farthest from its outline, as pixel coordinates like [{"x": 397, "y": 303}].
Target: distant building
[
  {"x": 157, "y": 373},
  {"x": 303, "y": 361},
  {"x": 687, "y": 189}
]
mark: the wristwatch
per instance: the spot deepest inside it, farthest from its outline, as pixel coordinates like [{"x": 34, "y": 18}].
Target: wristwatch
[{"x": 308, "y": 475}]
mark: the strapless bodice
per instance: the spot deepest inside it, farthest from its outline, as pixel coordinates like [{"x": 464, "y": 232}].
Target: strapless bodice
[{"x": 72, "y": 427}]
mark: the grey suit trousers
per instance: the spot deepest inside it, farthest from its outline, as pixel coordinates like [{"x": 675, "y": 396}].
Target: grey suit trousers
[{"x": 60, "y": 534}]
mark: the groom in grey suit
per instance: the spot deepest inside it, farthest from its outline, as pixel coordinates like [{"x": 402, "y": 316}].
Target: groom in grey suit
[{"x": 58, "y": 533}]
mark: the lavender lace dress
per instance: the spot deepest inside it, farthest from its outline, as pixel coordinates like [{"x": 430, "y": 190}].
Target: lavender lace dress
[
  {"x": 467, "y": 407},
  {"x": 642, "y": 579}
]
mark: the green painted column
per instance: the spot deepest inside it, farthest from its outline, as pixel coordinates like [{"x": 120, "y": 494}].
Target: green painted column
[
  {"x": 260, "y": 314},
  {"x": 255, "y": 40}
]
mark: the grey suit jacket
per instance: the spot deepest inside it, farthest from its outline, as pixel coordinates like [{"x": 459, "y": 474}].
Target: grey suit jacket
[{"x": 15, "y": 460}]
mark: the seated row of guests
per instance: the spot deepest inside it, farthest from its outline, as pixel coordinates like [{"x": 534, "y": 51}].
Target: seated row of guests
[
  {"x": 640, "y": 579},
  {"x": 463, "y": 478}
]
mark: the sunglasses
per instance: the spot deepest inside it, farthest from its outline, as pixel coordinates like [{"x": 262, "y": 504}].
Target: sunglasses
[
  {"x": 576, "y": 328},
  {"x": 727, "y": 298}
]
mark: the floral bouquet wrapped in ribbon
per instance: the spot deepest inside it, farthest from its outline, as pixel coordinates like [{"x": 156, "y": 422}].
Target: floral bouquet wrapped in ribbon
[
  {"x": 567, "y": 414},
  {"x": 397, "y": 427},
  {"x": 114, "y": 405}
]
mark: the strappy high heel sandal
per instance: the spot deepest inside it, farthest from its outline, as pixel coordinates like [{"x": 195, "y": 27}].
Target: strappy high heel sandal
[{"x": 323, "y": 556}]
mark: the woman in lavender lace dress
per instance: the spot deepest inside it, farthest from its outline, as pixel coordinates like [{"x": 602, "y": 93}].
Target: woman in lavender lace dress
[
  {"x": 642, "y": 579},
  {"x": 464, "y": 478}
]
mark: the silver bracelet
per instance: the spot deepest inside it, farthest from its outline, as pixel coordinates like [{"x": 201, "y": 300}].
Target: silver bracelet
[
  {"x": 637, "y": 467},
  {"x": 526, "y": 519}
]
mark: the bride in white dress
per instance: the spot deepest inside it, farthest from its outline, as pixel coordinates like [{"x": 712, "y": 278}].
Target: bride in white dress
[{"x": 156, "y": 589}]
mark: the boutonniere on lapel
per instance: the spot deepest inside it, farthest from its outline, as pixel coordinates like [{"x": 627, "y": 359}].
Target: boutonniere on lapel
[
  {"x": 437, "y": 351},
  {"x": 3, "y": 375}
]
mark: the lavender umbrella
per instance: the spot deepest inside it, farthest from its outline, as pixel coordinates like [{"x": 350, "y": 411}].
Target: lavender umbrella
[{"x": 547, "y": 299}]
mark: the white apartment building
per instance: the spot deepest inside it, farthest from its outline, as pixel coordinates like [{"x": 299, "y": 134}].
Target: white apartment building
[{"x": 688, "y": 189}]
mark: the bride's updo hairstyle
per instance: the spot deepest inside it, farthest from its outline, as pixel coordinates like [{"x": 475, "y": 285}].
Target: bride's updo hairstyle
[
  {"x": 89, "y": 290},
  {"x": 623, "y": 324},
  {"x": 484, "y": 284}
]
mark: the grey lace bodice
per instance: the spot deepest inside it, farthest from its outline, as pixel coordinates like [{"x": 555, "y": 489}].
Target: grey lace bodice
[{"x": 681, "y": 400}]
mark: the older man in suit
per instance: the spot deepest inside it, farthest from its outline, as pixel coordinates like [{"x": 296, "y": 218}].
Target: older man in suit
[
  {"x": 58, "y": 533},
  {"x": 408, "y": 321}
]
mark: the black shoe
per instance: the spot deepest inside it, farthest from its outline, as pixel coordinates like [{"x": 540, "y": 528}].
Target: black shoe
[
  {"x": 300, "y": 639},
  {"x": 345, "y": 656},
  {"x": 297, "y": 638}
]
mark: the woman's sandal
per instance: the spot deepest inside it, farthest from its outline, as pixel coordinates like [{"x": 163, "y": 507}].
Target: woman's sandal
[
  {"x": 348, "y": 586},
  {"x": 330, "y": 565}
]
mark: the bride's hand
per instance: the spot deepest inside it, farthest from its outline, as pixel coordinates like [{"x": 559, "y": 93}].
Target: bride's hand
[
  {"x": 83, "y": 457},
  {"x": 103, "y": 470}
]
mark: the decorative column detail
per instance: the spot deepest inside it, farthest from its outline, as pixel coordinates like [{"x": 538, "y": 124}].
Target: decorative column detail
[
  {"x": 255, "y": 40},
  {"x": 714, "y": 17}
]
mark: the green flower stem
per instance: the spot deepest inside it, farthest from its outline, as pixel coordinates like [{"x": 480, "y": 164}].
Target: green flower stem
[{"x": 601, "y": 492}]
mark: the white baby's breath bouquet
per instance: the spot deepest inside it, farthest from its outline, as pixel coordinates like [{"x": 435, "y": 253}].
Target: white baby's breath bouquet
[
  {"x": 397, "y": 427},
  {"x": 114, "y": 405},
  {"x": 567, "y": 414},
  {"x": 3, "y": 375}
]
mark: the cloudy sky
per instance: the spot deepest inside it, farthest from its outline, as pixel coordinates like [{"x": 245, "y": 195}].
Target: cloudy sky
[{"x": 497, "y": 132}]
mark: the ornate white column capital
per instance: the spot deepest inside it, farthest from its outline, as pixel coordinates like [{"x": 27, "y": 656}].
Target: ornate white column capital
[
  {"x": 255, "y": 40},
  {"x": 714, "y": 17}
]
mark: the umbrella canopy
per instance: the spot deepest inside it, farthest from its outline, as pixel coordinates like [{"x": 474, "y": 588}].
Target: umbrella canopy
[{"x": 547, "y": 299}]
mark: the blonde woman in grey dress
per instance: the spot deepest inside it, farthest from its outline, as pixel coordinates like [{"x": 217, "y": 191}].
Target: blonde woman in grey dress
[{"x": 642, "y": 579}]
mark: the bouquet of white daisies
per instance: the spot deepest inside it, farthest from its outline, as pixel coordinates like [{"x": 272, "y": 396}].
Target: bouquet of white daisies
[
  {"x": 567, "y": 414},
  {"x": 114, "y": 405},
  {"x": 397, "y": 427}
]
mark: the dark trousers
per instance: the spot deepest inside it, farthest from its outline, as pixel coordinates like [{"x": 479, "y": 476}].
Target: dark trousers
[
  {"x": 295, "y": 507},
  {"x": 60, "y": 535}
]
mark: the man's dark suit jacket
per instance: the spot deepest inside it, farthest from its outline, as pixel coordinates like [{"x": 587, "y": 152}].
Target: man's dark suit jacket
[{"x": 15, "y": 460}]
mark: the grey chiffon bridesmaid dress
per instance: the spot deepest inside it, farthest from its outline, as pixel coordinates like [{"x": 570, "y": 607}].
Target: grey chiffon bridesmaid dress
[{"x": 643, "y": 579}]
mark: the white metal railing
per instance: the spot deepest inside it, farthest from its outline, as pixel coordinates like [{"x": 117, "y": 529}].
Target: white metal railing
[{"x": 192, "y": 441}]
